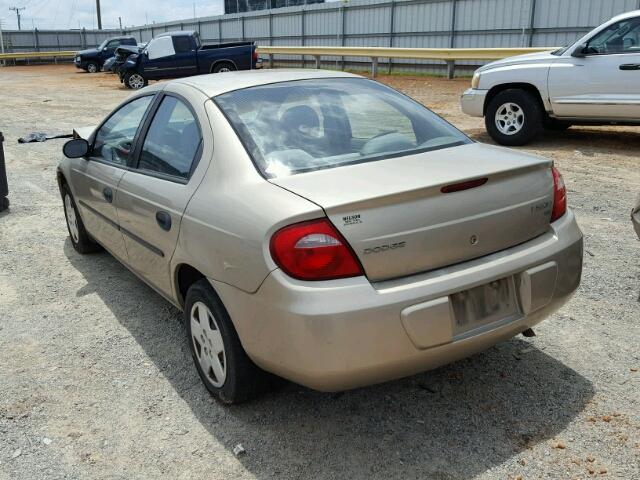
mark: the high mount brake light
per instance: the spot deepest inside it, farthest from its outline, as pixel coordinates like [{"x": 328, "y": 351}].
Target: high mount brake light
[
  {"x": 314, "y": 250},
  {"x": 559, "y": 195}
]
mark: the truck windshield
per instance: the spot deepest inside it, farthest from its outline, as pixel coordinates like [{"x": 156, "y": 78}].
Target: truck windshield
[{"x": 301, "y": 126}]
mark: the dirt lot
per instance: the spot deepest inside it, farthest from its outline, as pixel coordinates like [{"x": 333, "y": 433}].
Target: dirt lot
[{"x": 97, "y": 382}]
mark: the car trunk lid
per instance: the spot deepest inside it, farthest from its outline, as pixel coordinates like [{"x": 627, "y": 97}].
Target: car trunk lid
[{"x": 417, "y": 213}]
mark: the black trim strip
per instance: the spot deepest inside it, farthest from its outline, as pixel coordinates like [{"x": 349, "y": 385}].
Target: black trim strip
[
  {"x": 142, "y": 242},
  {"x": 129, "y": 234},
  {"x": 97, "y": 213}
]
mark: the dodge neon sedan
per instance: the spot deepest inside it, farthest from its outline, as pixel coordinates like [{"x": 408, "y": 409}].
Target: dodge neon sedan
[{"x": 320, "y": 226}]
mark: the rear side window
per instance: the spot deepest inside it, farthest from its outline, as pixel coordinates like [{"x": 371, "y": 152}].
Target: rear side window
[
  {"x": 182, "y": 44},
  {"x": 172, "y": 141}
]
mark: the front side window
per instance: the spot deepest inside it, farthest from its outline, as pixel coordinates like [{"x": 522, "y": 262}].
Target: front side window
[
  {"x": 172, "y": 141},
  {"x": 160, "y": 47},
  {"x": 301, "y": 126},
  {"x": 113, "y": 44},
  {"x": 621, "y": 37},
  {"x": 114, "y": 140}
]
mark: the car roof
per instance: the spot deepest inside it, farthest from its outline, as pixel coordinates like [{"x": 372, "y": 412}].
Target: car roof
[
  {"x": 177, "y": 33},
  {"x": 218, "y": 83},
  {"x": 623, "y": 16}
]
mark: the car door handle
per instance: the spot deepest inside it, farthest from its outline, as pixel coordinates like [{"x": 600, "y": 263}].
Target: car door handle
[
  {"x": 164, "y": 220},
  {"x": 107, "y": 193},
  {"x": 630, "y": 66}
]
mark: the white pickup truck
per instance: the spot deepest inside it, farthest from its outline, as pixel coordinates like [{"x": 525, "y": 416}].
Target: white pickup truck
[{"x": 594, "y": 81}]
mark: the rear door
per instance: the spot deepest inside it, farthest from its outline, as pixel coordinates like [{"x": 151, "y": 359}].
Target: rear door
[
  {"x": 95, "y": 179},
  {"x": 606, "y": 82},
  {"x": 153, "y": 196}
]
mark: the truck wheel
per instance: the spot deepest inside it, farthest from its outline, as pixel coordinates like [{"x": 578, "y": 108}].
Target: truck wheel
[
  {"x": 92, "y": 67},
  {"x": 513, "y": 117},
  {"x": 223, "y": 67},
  {"x": 135, "y": 81},
  {"x": 224, "y": 367}
]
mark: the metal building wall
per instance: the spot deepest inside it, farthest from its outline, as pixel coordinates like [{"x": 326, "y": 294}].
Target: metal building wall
[{"x": 396, "y": 23}]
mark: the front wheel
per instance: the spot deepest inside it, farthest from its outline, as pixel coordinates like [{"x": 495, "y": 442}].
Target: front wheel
[
  {"x": 135, "y": 81},
  {"x": 80, "y": 238},
  {"x": 92, "y": 67},
  {"x": 513, "y": 117},
  {"x": 222, "y": 363}
]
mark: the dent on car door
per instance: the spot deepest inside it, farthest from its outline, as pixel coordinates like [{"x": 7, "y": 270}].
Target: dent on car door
[
  {"x": 605, "y": 83},
  {"x": 95, "y": 180},
  {"x": 153, "y": 196}
]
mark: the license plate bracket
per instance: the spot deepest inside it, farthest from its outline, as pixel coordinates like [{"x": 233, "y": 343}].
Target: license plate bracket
[{"x": 483, "y": 305}]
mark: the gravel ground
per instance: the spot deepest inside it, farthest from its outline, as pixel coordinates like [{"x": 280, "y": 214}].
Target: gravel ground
[{"x": 97, "y": 380}]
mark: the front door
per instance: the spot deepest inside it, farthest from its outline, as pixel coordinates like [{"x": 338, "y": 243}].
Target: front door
[
  {"x": 605, "y": 83},
  {"x": 96, "y": 178},
  {"x": 164, "y": 60},
  {"x": 153, "y": 196}
]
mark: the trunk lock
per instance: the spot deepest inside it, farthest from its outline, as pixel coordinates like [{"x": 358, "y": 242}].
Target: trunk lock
[{"x": 473, "y": 240}]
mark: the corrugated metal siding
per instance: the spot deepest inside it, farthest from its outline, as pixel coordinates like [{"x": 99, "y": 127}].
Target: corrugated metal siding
[{"x": 399, "y": 23}]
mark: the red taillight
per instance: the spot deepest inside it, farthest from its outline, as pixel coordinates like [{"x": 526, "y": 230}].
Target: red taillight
[
  {"x": 255, "y": 55},
  {"x": 313, "y": 250},
  {"x": 559, "y": 195}
]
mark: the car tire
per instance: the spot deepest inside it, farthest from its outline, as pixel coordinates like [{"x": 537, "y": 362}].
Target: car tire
[
  {"x": 135, "y": 81},
  {"x": 555, "y": 125},
  {"x": 92, "y": 67},
  {"x": 513, "y": 117},
  {"x": 223, "y": 365},
  {"x": 80, "y": 238},
  {"x": 4, "y": 203},
  {"x": 223, "y": 67}
]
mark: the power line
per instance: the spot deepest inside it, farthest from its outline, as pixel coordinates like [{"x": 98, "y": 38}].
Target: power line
[{"x": 17, "y": 10}]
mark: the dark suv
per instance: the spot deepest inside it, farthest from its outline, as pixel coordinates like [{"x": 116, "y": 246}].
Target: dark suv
[{"x": 92, "y": 59}]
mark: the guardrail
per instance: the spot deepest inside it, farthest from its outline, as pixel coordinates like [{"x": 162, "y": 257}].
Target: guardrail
[
  {"x": 29, "y": 55},
  {"x": 449, "y": 55}
]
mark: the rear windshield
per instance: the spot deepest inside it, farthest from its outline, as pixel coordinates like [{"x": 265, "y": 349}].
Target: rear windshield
[{"x": 301, "y": 126}]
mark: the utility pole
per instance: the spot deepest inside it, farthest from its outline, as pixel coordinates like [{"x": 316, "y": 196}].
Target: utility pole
[
  {"x": 1, "y": 43},
  {"x": 120, "y": 22},
  {"x": 99, "y": 16},
  {"x": 17, "y": 10}
]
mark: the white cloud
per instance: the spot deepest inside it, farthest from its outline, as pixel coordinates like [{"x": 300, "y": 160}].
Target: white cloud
[{"x": 45, "y": 14}]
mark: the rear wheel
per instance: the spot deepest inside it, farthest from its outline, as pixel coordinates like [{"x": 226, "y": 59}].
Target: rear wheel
[
  {"x": 80, "y": 238},
  {"x": 223, "y": 365},
  {"x": 224, "y": 67},
  {"x": 92, "y": 67},
  {"x": 513, "y": 117},
  {"x": 135, "y": 81}
]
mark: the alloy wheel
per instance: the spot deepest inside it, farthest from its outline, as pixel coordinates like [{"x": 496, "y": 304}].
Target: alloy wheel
[
  {"x": 509, "y": 118},
  {"x": 136, "y": 81}
]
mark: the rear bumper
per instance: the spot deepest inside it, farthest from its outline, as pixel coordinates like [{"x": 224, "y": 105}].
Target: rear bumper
[
  {"x": 343, "y": 334},
  {"x": 472, "y": 102}
]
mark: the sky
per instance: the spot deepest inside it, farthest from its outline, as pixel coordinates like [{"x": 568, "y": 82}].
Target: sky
[{"x": 63, "y": 14}]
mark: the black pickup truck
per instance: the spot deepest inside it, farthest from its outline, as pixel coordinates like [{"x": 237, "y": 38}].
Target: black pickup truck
[
  {"x": 92, "y": 59},
  {"x": 181, "y": 54}
]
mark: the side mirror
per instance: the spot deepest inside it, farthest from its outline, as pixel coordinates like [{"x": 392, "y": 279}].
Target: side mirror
[
  {"x": 76, "y": 148},
  {"x": 105, "y": 49},
  {"x": 579, "y": 51}
]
